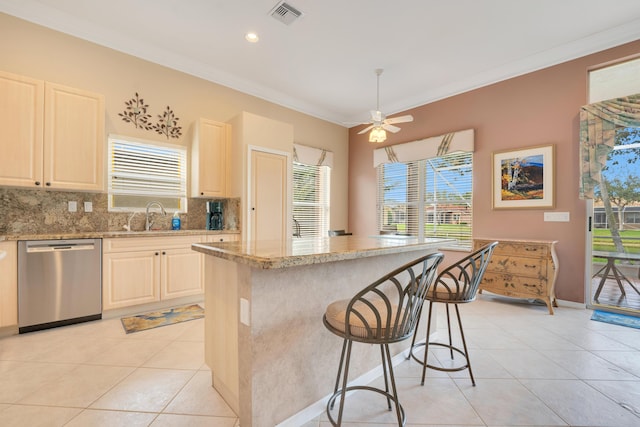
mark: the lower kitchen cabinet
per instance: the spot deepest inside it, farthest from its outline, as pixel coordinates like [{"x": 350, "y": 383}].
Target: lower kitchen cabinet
[
  {"x": 141, "y": 270},
  {"x": 182, "y": 273},
  {"x": 130, "y": 278},
  {"x": 8, "y": 284}
]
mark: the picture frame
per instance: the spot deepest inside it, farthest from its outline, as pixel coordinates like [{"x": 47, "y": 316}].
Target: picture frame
[{"x": 524, "y": 178}]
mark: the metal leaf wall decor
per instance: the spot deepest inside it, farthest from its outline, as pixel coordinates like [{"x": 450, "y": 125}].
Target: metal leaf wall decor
[
  {"x": 167, "y": 124},
  {"x": 135, "y": 112}
]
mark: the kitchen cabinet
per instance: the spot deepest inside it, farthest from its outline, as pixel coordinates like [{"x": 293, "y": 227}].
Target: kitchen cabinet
[
  {"x": 210, "y": 157},
  {"x": 8, "y": 284},
  {"x": 140, "y": 270},
  {"x": 522, "y": 269},
  {"x": 51, "y": 136}
]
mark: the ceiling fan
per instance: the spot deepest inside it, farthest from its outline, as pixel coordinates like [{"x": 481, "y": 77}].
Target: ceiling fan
[{"x": 379, "y": 123}]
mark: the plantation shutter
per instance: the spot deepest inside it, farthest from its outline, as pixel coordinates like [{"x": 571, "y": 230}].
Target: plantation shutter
[
  {"x": 310, "y": 200},
  {"x": 152, "y": 172}
]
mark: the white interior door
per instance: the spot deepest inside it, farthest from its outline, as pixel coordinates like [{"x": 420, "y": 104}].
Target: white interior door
[{"x": 269, "y": 200}]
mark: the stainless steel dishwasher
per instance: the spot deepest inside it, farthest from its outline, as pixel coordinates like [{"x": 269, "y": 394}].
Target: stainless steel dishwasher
[{"x": 59, "y": 283}]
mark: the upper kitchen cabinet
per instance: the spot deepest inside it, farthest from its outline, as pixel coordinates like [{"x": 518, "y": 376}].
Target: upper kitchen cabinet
[
  {"x": 210, "y": 157},
  {"x": 52, "y": 136},
  {"x": 21, "y": 130}
]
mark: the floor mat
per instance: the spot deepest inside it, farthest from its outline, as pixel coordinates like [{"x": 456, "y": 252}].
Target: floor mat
[
  {"x": 616, "y": 319},
  {"x": 166, "y": 317}
]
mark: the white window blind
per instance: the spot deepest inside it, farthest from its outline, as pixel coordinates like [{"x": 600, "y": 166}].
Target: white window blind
[
  {"x": 427, "y": 198},
  {"x": 140, "y": 172},
  {"x": 311, "y": 200}
]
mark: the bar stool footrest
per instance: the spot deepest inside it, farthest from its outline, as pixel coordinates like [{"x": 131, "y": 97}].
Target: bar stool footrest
[
  {"x": 386, "y": 394},
  {"x": 438, "y": 368}
]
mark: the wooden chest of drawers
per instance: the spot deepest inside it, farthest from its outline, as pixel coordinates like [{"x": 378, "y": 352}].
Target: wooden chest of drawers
[{"x": 522, "y": 269}]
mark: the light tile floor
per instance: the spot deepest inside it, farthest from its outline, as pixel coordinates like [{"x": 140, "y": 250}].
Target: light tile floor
[{"x": 531, "y": 369}]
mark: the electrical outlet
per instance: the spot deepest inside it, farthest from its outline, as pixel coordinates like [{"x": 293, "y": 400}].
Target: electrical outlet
[
  {"x": 88, "y": 207},
  {"x": 73, "y": 206},
  {"x": 245, "y": 317}
]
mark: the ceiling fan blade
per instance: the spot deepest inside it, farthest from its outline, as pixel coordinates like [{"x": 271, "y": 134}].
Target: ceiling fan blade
[
  {"x": 390, "y": 128},
  {"x": 368, "y": 128},
  {"x": 399, "y": 119}
]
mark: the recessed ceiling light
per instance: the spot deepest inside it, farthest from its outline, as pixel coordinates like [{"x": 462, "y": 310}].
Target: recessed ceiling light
[{"x": 252, "y": 37}]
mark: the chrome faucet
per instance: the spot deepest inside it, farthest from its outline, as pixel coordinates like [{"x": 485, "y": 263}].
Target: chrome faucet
[{"x": 148, "y": 223}]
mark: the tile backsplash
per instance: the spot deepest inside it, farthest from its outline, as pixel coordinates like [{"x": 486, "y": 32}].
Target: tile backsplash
[{"x": 27, "y": 211}]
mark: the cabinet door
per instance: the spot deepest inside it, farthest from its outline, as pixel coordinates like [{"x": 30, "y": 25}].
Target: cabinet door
[
  {"x": 182, "y": 273},
  {"x": 8, "y": 284},
  {"x": 73, "y": 139},
  {"x": 21, "y": 111},
  {"x": 210, "y": 155},
  {"x": 130, "y": 278}
]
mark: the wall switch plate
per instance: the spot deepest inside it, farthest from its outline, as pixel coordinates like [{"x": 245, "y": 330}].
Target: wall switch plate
[
  {"x": 556, "y": 216},
  {"x": 73, "y": 206},
  {"x": 245, "y": 317},
  {"x": 88, "y": 207}
]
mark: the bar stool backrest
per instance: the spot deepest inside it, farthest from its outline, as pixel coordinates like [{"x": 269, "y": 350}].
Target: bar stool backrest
[
  {"x": 460, "y": 281},
  {"x": 388, "y": 310}
]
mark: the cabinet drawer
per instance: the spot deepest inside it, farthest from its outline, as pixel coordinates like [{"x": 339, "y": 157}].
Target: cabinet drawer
[
  {"x": 530, "y": 267},
  {"x": 511, "y": 285},
  {"x": 532, "y": 249},
  {"x": 122, "y": 244}
]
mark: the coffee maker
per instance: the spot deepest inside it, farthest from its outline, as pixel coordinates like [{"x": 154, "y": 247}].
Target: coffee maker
[{"x": 214, "y": 215}]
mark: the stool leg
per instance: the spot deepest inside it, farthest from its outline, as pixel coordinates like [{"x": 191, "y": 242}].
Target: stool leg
[
  {"x": 385, "y": 374},
  {"x": 415, "y": 332},
  {"x": 426, "y": 343},
  {"x": 399, "y": 410},
  {"x": 464, "y": 345},
  {"x": 335, "y": 389},
  {"x": 344, "y": 382},
  {"x": 449, "y": 329}
]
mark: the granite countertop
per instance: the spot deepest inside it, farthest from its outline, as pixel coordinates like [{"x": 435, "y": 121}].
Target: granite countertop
[
  {"x": 273, "y": 254},
  {"x": 111, "y": 234}
]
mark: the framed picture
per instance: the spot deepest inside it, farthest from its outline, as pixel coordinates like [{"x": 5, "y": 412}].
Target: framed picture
[{"x": 524, "y": 178}]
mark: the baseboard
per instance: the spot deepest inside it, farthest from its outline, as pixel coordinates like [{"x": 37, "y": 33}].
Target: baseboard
[{"x": 571, "y": 304}]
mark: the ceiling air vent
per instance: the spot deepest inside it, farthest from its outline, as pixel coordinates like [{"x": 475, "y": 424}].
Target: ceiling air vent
[{"x": 285, "y": 13}]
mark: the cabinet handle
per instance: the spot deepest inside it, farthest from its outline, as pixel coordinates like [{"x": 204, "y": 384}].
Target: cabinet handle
[
  {"x": 202, "y": 193},
  {"x": 222, "y": 240},
  {"x": 164, "y": 253},
  {"x": 157, "y": 254},
  {"x": 37, "y": 182},
  {"x": 48, "y": 184}
]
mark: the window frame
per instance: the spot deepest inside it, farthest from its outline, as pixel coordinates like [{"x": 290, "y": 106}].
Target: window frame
[{"x": 456, "y": 214}]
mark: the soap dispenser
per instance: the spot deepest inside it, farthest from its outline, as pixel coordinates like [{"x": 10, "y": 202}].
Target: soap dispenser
[{"x": 175, "y": 221}]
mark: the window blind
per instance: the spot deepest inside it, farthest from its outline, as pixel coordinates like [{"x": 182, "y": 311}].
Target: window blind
[
  {"x": 141, "y": 172},
  {"x": 427, "y": 198},
  {"x": 311, "y": 201}
]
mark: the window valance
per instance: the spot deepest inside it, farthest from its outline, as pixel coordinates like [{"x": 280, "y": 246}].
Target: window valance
[
  {"x": 436, "y": 146},
  {"x": 312, "y": 156},
  {"x": 598, "y": 124}
]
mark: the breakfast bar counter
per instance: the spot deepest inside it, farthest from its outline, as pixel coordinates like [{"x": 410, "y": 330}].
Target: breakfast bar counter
[{"x": 270, "y": 355}]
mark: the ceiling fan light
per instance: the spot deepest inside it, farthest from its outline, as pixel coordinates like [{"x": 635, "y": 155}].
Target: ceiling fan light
[{"x": 377, "y": 134}]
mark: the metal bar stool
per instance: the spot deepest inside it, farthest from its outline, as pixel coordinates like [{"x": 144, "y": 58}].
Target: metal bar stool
[
  {"x": 383, "y": 313},
  {"x": 457, "y": 284}
]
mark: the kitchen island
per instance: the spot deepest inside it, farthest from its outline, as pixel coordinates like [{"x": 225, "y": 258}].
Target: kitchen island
[{"x": 270, "y": 355}]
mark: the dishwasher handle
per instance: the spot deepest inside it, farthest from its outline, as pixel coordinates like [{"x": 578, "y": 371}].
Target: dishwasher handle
[{"x": 60, "y": 248}]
